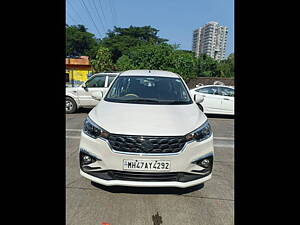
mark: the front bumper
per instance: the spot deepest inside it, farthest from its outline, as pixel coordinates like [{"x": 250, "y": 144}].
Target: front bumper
[
  {"x": 107, "y": 169},
  {"x": 145, "y": 184}
]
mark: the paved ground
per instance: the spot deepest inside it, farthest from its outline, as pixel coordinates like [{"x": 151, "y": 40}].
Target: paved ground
[{"x": 212, "y": 204}]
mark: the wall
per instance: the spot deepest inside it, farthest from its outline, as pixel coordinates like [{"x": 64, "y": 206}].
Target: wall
[
  {"x": 209, "y": 80},
  {"x": 78, "y": 70},
  {"x": 77, "y": 75}
]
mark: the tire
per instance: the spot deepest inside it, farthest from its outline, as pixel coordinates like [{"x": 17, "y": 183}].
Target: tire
[
  {"x": 71, "y": 105},
  {"x": 200, "y": 107}
]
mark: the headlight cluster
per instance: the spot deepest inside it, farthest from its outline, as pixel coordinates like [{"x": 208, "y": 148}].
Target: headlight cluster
[
  {"x": 201, "y": 133},
  {"x": 93, "y": 130}
]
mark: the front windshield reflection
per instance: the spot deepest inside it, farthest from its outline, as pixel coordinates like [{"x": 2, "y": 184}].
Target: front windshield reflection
[{"x": 148, "y": 90}]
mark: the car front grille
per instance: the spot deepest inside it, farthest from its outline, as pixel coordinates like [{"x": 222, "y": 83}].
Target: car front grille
[
  {"x": 121, "y": 175},
  {"x": 146, "y": 144}
]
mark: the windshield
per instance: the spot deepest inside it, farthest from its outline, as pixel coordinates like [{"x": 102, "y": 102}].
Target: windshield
[{"x": 148, "y": 90}]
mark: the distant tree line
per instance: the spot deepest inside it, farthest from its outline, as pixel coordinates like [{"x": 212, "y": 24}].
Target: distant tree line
[{"x": 141, "y": 48}]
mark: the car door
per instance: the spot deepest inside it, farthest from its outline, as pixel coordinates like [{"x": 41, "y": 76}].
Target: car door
[
  {"x": 212, "y": 99},
  {"x": 227, "y": 99},
  {"x": 94, "y": 84}
]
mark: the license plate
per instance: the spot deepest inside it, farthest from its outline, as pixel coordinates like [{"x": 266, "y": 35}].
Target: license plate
[{"x": 146, "y": 165}]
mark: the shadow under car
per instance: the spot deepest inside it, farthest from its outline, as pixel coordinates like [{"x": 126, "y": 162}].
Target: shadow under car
[{"x": 148, "y": 190}]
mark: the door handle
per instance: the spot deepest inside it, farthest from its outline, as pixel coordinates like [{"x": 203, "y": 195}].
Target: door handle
[{"x": 226, "y": 99}]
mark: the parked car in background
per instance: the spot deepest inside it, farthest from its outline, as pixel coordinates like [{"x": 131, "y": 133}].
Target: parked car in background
[
  {"x": 81, "y": 96},
  {"x": 147, "y": 131},
  {"x": 218, "y": 99}
]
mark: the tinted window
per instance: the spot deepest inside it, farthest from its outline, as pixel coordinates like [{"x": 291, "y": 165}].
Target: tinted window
[
  {"x": 97, "y": 81},
  {"x": 208, "y": 90},
  {"x": 110, "y": 79},
  {"x": 148, "y": 90},
  {"x": 227, "y": 91}
]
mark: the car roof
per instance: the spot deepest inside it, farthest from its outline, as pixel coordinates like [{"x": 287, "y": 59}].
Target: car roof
[
  {"x": 212, "y": 85},
  {"x": 159, "y": 73},
  {"x": 104, "y": 74}
]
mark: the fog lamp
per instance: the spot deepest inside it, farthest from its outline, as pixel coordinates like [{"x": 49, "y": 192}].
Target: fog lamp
[
  {"x": 87, "y": 159},
  {"x": 205, "y": 163}
]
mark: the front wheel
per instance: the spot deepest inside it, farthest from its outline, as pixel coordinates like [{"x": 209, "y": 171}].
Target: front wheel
[{"x": 71, "y": 105}]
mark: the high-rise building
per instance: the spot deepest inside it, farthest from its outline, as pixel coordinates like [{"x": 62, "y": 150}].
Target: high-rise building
[{"x": 211, "y": 40}]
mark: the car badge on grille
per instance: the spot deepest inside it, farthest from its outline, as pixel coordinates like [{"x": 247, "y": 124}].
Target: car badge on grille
[
  {"x": 141, "y": 139},
  {"x": 147, "y": 146}
]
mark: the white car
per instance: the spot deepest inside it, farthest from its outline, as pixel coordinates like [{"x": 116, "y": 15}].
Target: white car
[
  {"x": 147, "y": 131},
  {"x": 218, "y": 99},
  {"x": 81, "y": 96}
]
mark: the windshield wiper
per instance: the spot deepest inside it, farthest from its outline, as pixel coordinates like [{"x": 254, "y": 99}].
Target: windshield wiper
[
  {"x": 143, "y": 100},
  {"x": 147, "y": 100},
  {"x": 177, "y": 102}
]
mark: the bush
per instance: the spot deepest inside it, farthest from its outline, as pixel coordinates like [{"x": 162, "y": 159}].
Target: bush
[
  {"x": 102, "y": 61},
  {"x": 159, "y": 57}
]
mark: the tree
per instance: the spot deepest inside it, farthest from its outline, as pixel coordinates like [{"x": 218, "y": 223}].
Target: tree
[
  {"x": 230, "y": 63},
  {"x": 184, "y": 63},
  {"x": 102, "y": 61},
  {"x": 120, "y": 40},
  {"x": 206, "y": 66},
  {"x": 124, "y": 63},
  {"x": 226, "y": 67},
  {"x": 80, "y": 42},
  {"x": 159, "y": 57}
]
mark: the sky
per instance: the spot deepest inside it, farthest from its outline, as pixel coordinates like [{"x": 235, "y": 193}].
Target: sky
[{"x": 175, "y": 19}]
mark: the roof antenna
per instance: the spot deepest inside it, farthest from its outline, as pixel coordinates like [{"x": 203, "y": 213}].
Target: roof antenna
[{"x": 149, "y": 71}]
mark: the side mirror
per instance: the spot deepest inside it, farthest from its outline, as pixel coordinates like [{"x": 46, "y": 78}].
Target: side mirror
[
  {"x": 83, "y": 85},
  {"x": 198, "y": 98},
  {"x": 97, "y": 95}
]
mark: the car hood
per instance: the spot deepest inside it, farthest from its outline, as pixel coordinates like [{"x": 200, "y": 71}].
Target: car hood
[
  {"x": 70, "y": 89},
  {"x": 146, "y": 119}
]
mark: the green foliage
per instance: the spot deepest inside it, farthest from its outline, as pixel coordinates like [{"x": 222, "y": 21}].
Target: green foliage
[
  {"x": 80, "y": 42},
  {"x": 124, "y": 63},
  {"x": 146, "y": 33},
  {"x": 159, "y": 57},
  {"x": 209, "y": 67},
  {"x": 120, "y": 40},
  {"x": 102, "y": 61},
  {"x": 141, "y": 48},
  {"x": 226, "y": 67},
  {"x": 206, "y": 66},
  {"x": 184, "y": 63},
  {"x": 150, "y": 56}
]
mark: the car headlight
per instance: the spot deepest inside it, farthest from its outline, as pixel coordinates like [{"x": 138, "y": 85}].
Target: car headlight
[
  {"x": 93, "y": 130},
  {"x": 200, "y": 134}
]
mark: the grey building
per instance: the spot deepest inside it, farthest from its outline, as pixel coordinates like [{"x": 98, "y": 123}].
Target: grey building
[{"x": 211, "y": 40}]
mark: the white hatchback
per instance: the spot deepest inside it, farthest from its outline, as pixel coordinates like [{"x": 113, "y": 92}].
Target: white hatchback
[
  {"x": 218, "y": 99},
  {"x": 147, "y": 131},
  {"x": 81, "y": 96}
]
